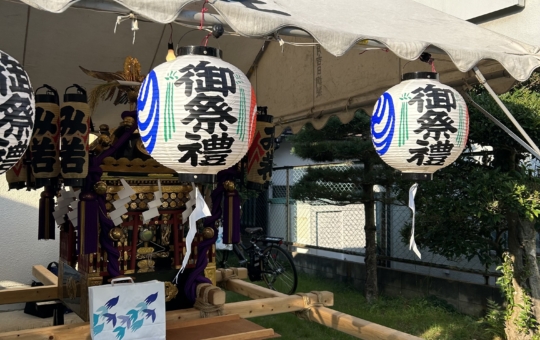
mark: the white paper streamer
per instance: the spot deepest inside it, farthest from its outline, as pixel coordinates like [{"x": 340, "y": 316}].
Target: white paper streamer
[
  {"x": 153, "y": 205},
  {"x": 62, "y": 205},
  {"x": 189, "y": 204},
  {"x": 412, "y": 244},
  {"x": 201, "y": 210},
  {"x": 119, "y": 204}
]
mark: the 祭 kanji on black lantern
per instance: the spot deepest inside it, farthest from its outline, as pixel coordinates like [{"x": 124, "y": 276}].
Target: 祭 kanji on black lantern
[
  {"x": 261, "y": 153},
  {"x": 420, "y": 125},
  {"x": 196, "y": 114},
  {"x": 74, "y": 133},
  {"x": 17, "y": 111}
]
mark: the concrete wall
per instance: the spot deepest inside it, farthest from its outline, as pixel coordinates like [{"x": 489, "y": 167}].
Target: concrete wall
[
  {"x": 19, "y": 246},
  {"x": 468, "y": 298}
]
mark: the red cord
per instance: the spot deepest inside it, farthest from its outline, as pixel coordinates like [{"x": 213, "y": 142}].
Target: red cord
[
  {"x": 432, "y": 63},
  {"x": 203, "y": 10},
  {"x": 205, "y": 39}
]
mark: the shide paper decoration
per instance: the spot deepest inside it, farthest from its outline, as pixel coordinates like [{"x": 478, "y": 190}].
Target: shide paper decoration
[
  {"x": 120, "y": 203},
  {"x": 418, "y": 127},
  {"x": 75, "y": 129},
  {"x": 201, "y": 210},
  {"x": 196, "y": 114},
  {"x": 17, "y": 111},
  {"x": 153, "y": 205},
  {"x": 261, "y": 152}
]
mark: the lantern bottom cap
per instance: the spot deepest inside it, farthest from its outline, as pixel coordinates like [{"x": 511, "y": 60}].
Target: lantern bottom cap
[
  {"x": 197, "y": 178},
  {"x": 417, "y": 176},
  {"x": 74, "y": 182}
]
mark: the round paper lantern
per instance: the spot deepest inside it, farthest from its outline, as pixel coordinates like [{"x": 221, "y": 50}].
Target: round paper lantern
[
  {"x": 17, "y": 111},
  {"x": 420, "y": 125},
  {"x": 196, "y": 113}
]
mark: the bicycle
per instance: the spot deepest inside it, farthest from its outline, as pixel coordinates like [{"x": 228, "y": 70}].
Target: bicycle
[{"x": 270, "y": 264}]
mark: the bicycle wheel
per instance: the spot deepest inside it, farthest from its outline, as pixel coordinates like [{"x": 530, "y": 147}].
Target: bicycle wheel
[
  {"x": 227, "y": 259},
  {"x": 222, "y": 258},
  {"x": 278, "y": 270}
]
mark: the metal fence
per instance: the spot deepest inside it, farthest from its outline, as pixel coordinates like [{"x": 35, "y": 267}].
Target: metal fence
[{"x": 339, "y": 229}]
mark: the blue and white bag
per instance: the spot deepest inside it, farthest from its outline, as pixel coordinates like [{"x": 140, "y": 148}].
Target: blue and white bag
[{"x": 126, "y": 311}]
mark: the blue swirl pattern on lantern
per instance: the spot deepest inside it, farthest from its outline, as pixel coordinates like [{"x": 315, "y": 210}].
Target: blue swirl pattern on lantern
[
  {"x": 383, "y": 123},
  {"x": 148, "y": 107}
]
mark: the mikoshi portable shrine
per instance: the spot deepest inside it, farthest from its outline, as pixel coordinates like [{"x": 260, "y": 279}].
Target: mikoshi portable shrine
[{"x": 136, "y": 119}]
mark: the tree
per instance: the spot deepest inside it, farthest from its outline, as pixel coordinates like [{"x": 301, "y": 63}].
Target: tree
[
  {"x": 487, "y": 206},
  {"x": 345, "y": 142}
]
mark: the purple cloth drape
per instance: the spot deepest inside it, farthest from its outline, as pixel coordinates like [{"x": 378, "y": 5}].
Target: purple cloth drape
[{"x": 94, "y": 176}]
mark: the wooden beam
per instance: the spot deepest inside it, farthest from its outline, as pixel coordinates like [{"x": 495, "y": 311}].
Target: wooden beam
[
  {"x": 251, "y": 290},
  {"x": 44, "y": 275},
  {"x": 225, "y": 274},
  {"x": 28, "y": 294},
  {"x": 254, "y": 308},
  {"x": 355, "y": 326},
  {"x": 211, "y": 294}
]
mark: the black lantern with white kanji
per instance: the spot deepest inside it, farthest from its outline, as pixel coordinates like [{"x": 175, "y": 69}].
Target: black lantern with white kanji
[
  {"x": 260, "y": 156},
  {"x": 45, "y": 145},
  {"x": 74, "y": 133},
  {"x": 196, "y": 113},
  {"x": 17, "y": 111},
  {"x": 420, "y": 125}
]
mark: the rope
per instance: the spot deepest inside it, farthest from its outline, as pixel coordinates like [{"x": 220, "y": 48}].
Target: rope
[
  {"x": 308, "y": 304},
  {"x": 206, "y": 309}
]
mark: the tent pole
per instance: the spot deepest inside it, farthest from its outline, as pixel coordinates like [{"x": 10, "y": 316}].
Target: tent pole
[{"x": 484, "y": 82}]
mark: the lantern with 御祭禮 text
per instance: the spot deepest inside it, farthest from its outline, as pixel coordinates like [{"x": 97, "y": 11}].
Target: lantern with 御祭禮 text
[
  {"x": 420, "y": 125},
  {"x": 196, "y": 114},
  {"x": 17, "y": 111}
]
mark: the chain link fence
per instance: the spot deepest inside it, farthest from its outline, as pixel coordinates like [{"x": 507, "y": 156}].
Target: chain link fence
[{"x": 340, "y": 228}]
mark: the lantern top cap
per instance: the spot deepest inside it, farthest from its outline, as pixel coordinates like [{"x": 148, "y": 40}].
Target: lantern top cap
[
  {"x": 199, "y": 50},
  {"x": 420, "y": 75}
]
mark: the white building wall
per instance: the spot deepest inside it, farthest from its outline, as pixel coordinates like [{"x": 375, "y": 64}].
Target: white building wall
[{"x": 19, "y": 245}]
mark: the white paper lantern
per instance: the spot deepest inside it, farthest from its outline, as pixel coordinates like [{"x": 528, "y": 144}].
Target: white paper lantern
[
  {"x": 420, "y": 125},
  {"x": 196, "y": 113},
  {"x": 17, "y": 111}
]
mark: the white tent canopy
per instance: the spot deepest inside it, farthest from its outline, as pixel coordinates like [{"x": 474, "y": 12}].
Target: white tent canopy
[{"x": 293, "y": 81}]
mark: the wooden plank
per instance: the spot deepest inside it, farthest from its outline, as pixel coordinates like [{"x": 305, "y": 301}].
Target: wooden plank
[
  {"x": 356, "y": 327},
  {"x": 258, "y": 334},
  {"x": 205, "y": 321},
  {"x": 28, "y": 294},
  {"x": 44, "y": 275},
  {"x": 228, "y": 327},
  {"x": 46, "y": 333}
]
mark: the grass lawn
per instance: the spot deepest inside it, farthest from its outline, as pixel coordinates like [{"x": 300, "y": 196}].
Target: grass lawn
[{"x": 423, "y": 317}]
